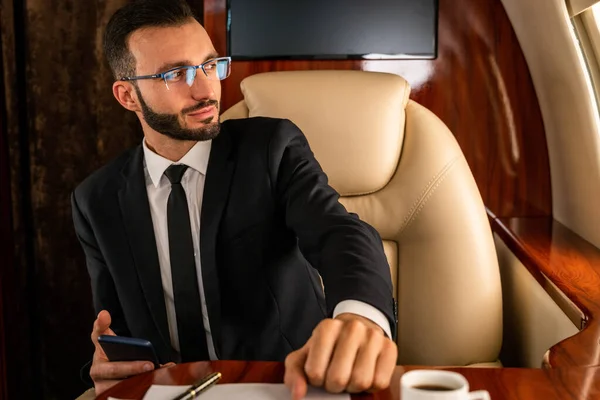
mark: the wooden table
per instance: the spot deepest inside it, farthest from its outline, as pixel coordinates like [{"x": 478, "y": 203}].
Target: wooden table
[{"x": 502, "y": 383}]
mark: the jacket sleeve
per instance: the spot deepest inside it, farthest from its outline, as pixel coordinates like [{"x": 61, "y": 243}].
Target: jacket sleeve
[
  {"x": 103, "y": 289},
  {"x": 104, "y": 292},
  {"x": 347, "y": 252}
]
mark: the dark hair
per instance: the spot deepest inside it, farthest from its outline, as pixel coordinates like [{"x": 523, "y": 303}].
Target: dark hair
[{"x": 135, "y": 15}]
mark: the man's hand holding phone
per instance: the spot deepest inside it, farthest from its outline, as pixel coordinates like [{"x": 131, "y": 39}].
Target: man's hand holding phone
[{"x": 106, "y": 373}]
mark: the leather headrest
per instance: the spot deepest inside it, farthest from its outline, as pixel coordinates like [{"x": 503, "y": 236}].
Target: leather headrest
[{"x": 354, "y": 120}]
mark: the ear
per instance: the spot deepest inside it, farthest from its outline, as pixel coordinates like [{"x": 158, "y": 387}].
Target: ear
[{"x": 126, "y": 95}]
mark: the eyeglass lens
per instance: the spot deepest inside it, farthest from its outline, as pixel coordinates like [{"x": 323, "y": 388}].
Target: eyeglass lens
[{"x": 214, "y": 70}]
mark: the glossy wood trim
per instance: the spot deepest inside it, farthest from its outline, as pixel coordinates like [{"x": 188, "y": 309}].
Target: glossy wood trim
[
  {"x": 563, "y": 262},
  {"x": 501, "y": 383}
]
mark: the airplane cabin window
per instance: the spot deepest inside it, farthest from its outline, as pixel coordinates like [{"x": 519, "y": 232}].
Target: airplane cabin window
[
  {"x": 586, "y": 26},
  {"x": 587, "y": 32}
]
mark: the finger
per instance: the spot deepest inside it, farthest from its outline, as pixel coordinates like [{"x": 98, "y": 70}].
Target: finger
[
  {"x": 168, "y": 365},
  {"x": 300, "y": 388},
  {"x": 385, "y": 365},
  {"x": 118, "y": 369},
  {"x": 294, "y": 377},
  {"x": 366, "y": 361},
  {"x": 351, "y": 338},
  {"x": 323, "y": 343}
]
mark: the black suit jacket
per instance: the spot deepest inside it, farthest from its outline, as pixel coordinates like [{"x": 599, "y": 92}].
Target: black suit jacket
[{"x": 270, "y": 224}]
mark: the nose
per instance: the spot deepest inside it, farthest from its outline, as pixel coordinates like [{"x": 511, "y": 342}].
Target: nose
[{"x": 202, "y": 87}]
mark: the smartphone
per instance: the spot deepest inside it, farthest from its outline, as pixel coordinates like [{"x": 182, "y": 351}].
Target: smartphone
[{"x": 122, "y": 348}]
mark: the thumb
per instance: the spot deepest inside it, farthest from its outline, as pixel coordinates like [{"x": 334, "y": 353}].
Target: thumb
[
  {"x": 102, "y": 324},
  {"x": 295, "y": 378},
  {"x": 101, "y": 327}
]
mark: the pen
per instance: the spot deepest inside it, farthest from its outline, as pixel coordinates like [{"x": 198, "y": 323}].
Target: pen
[{"x": 200, "y": 386}]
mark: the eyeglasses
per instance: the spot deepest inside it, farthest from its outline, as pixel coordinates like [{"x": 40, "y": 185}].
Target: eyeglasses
[{"x": 215, "y": 69}]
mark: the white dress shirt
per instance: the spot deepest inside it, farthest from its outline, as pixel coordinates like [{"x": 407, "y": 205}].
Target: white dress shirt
[{"x": 158, "y": 188}]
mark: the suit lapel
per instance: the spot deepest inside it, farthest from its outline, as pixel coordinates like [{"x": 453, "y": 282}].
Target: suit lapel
[
  {"x": 135, "y": 210},
  {"x": 216, "y": 192}
]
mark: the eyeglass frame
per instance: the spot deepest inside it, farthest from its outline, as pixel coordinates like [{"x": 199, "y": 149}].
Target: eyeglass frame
[{"x": 162, "y": 74}]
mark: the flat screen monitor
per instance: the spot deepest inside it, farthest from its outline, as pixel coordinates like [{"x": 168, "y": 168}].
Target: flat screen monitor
[{"x": 332, "y": 29}]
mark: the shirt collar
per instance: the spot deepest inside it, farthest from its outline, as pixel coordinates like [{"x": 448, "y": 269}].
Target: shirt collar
[{"x": 196, "y": 158}]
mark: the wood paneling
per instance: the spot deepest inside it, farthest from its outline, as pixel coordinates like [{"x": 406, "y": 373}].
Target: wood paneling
[
  {"x": 551, "y": 251},
  {"x": 479, "y": 85},
  {"x": 501, "y": 383}
]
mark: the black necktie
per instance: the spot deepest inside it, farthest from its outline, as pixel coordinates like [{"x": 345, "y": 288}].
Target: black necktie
[{"x": 190, "y": 327}]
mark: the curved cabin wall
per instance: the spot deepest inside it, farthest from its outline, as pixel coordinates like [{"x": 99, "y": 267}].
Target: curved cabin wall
[
  {"x": 571, "y": 118},
  {"x": 533, "y": 320}
]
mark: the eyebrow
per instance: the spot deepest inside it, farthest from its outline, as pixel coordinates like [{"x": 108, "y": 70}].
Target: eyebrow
[{"x": 170, "y": 65}]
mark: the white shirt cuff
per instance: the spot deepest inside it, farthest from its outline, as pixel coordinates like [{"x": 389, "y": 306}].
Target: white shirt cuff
[{"x": 364, "y": 310}]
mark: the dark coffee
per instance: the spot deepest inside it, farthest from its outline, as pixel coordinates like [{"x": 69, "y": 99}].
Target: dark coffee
[{"x": 433, "y": 387}]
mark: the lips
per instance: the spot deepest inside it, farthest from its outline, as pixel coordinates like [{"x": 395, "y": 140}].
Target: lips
[{"x": 203, "y": 111}]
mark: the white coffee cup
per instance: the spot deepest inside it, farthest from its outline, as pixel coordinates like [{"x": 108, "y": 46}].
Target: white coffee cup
[{"x": 438, "y": 385}]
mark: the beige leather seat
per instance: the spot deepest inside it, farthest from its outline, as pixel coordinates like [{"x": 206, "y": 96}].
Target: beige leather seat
[{"x": 400, "y": 169}]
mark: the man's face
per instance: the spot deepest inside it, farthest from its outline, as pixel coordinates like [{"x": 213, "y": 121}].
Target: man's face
[{"x": 180, "y": 112}]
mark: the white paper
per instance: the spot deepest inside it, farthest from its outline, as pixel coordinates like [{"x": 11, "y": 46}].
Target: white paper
[{"x": 241, "y": 391}]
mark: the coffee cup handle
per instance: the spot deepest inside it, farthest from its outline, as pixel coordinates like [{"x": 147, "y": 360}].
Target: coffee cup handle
[{"x": 479, "y": 395}]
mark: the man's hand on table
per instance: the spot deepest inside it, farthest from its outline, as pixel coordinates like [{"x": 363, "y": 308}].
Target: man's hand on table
[
  {"x": 104, "y": 373},
  {"x": 349, "y": 353}
]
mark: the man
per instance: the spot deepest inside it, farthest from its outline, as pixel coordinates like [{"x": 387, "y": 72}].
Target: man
[{"x": 208, "y": 239}]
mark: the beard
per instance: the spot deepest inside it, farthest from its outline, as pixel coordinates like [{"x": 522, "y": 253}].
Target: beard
[{"x": 170, "y": 125}]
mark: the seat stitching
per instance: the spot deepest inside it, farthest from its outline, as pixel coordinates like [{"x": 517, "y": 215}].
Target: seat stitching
[
  {"x": 429, "y": 190},
  {"x": 416, "y": 202}
]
